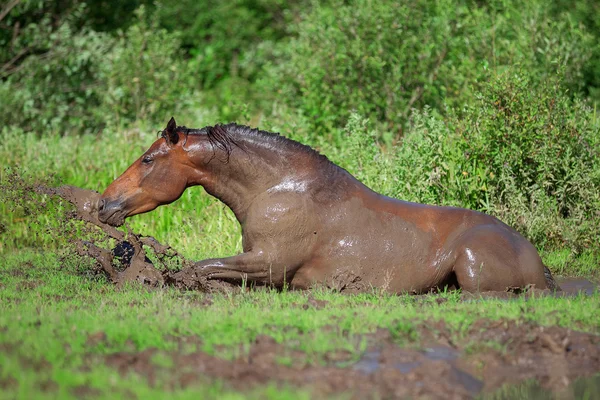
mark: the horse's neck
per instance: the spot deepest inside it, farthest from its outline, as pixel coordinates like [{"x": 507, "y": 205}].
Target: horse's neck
[{"x": 246, "y": 174}]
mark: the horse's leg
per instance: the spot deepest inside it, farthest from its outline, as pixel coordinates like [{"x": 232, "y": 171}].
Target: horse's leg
[
  {"x": 253, "y": 266},
  {"x": 490, "y": 258}
]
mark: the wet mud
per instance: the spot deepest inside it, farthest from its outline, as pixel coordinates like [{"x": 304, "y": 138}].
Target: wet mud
[
  {"x": 129, "y": 249},
  {"x": 130, "y": 258},
  {"x": 555, "y": 358}
]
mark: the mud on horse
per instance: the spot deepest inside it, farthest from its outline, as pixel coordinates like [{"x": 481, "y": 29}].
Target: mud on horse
[{"x": 306, "y": 220}]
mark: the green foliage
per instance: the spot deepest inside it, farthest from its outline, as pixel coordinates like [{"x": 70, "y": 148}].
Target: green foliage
[
  {"x": 82, "y": 80},
  {"x": 526, "y": 154},
  {"x": 382, "y": 59},
  {"x": 541, "y": 151},
  {"x": 221, "y": 37},
  {"x": 143, "y": 76},
  {"x": 403, "y": 332},
  {"x": 49, "y": 75},
  {"x": 585, "y": 13}
]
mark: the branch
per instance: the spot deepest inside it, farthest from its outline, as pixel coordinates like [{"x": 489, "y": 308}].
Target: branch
[
  {"x": 13, "y": 60},
  {"x": 7, "y": 9}
]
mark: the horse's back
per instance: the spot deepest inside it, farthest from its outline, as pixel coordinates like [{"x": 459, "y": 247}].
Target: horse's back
[{"x": 404, "y": 246}]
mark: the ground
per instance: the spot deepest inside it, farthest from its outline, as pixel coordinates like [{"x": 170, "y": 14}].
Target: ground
[{"x": 67, "y": 333}]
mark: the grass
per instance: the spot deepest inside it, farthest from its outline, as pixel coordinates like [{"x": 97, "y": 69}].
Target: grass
[{"x": 50, "y": 315}]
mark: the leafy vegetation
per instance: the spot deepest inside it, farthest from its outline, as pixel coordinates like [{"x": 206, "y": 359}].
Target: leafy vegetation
[{"x": 382, "y": 59}]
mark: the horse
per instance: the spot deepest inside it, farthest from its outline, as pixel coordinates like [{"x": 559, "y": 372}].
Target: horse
[{"x": 306, "y": 221}]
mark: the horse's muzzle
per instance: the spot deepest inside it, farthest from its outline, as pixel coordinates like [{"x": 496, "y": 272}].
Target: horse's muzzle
[{"x": 111, "y": 212}]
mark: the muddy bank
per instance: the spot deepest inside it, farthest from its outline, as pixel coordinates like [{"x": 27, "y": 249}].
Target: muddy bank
[
  {"x": 130, "y": 258},
  {"x": 492, "y": 355},
  {"x": 129, "y": 248}
]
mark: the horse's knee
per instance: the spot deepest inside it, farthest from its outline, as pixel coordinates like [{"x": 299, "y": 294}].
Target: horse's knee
[
  {"x": 469, "y": 273},
  {"x": 483, "y": 267}
]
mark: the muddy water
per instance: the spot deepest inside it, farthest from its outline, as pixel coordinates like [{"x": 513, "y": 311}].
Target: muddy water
[
  {"x": 407, "y": 361},
  {"x": 576, "y": 285},
  {"x": 582, "y": 388}
]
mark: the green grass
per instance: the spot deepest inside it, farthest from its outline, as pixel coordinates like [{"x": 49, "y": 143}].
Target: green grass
[
  {"x": 49, "y": 312},
  {"x": 566, "y": 262}
]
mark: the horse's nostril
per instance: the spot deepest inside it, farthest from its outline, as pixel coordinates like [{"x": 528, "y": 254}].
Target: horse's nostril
[{"x": 101, "y": 204}]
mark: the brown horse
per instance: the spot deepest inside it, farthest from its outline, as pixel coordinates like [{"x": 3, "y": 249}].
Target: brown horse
[{"x": 305, "y": 220}]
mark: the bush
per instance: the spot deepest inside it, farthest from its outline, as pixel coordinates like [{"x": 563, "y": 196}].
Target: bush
[
  {"x": 524, "y": 152},
  {"x": 78, "y": 80},
  {"x": 221, "y": 37},
  {"x": 382, "y": 59},
  {"x": 143, "y": 76},
  {"x": 52, "y": 85},
  {"x": 542, "y": 150},
  {"x": 587, "y": 14}
]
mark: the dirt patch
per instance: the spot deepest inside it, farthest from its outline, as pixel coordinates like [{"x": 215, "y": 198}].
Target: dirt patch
[
  {"x": 510, "y": 352},
  {"x": 85, "y": 392},
  {"x": 8, "y": 383},
  {"x": 29, "y": 285},
  {"x": 129, "y": 260},
  {"x": 48, "y": 386},
  {"x": 553, "y": 356}
]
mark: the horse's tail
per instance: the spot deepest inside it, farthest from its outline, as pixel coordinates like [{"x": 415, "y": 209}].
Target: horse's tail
[{"x": 550, "y": 282}]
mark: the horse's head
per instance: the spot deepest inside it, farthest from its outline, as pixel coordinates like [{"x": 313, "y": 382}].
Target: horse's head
[{"x": 158, "y": 177}]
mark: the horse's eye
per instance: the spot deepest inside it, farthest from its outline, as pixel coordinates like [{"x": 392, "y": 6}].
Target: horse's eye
[{"x": 146, "y": 160}]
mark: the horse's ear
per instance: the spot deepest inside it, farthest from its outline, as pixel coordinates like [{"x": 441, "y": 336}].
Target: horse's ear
[
  {"x": 171, "y": 132},
  {"x": 171, "y": 125}
]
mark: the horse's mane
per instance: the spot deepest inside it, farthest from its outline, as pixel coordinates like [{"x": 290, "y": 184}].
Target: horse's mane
[{"x": 225, "y": 137}]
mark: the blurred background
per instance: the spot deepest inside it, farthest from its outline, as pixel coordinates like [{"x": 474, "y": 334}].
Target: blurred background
[{"x": 490, "y": 105}]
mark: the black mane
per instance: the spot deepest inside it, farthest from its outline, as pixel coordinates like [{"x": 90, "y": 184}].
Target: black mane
[{"x": 225, "y": 137}]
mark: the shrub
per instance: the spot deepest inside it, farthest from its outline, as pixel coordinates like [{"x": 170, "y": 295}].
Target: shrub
[
  {"x": 143, "y": 76},
  {"x": 221, "y": 36},
  {"x": 78, "y": 80},
  {"x": 524, "y": 152},
  {"x": 587, "y": 14},
  {"x": 381, "y": 59},
  {"x": 50, "y": 80},
  {"x": 543, "y": 150}
]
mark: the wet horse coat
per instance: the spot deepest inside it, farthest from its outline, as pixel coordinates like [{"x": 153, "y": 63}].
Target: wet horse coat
[{"x": 305, "y": 220}]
